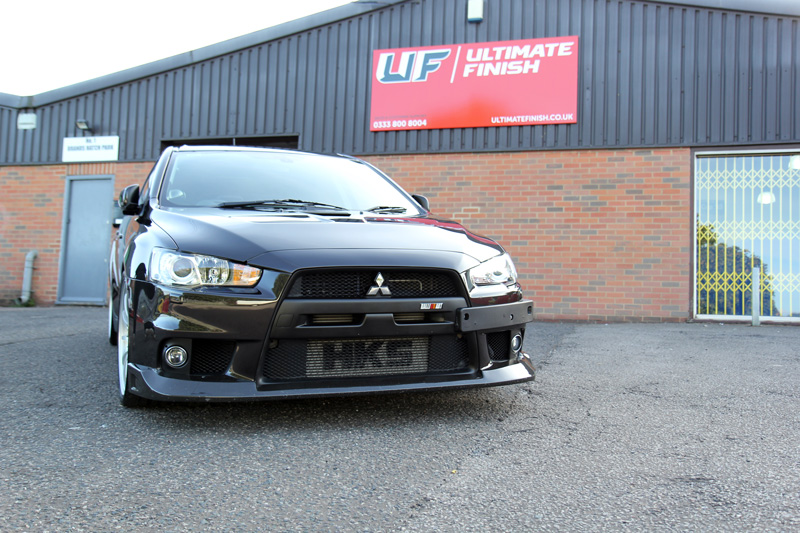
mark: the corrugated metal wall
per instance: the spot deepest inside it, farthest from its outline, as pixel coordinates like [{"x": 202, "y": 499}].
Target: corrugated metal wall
[{"x": 650, "y": 75}]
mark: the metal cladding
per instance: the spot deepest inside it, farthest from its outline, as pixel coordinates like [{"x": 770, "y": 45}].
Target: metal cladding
[{"x": 650, "y": 74}]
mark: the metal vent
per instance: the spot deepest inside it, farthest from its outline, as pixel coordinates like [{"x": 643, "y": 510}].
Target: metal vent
[
  {"x": 335, "y": 320},
  {"x": 419, "y": 318},
  {"x": 409, "y": 318},
  {"x": 375, "y": 356}
]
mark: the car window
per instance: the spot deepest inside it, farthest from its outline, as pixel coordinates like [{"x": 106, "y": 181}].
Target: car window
[
  {"x": 205, "y": 179},
  {"x": 144, "y": 194},
  {"x": 152, "y": 179}
]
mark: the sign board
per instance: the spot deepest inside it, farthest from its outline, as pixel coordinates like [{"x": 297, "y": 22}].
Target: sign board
[
  {"x": 501, "y": 83},
  {"x": 89, "y": 149}
]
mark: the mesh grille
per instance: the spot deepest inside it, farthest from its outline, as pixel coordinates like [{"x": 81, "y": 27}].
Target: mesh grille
[
  {"x": 499, "y": 344},
  {"x": 377, "y": 356},
  {"x": 211, "y": 357},
  {"x": 356, "y": 284}
]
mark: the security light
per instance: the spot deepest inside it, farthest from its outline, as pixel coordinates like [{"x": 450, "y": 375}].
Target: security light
[
  {"x": 83, "y": 124},
  {"x": 474, "y": 10},
  {"x": 26, "y": 121}
]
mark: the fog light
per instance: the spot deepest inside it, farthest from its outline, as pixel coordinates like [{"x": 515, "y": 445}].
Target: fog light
[
  {"x": 516, "y": 343},
  {"x": 175, "y": 356}
]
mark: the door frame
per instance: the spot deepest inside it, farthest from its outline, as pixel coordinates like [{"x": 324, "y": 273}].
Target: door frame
[
  {"x": 62, "y": 254},
  {"x": 696, "y": 154}
]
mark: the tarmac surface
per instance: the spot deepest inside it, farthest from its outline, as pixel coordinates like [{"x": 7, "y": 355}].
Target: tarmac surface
[{"x": 628, "y": 427}]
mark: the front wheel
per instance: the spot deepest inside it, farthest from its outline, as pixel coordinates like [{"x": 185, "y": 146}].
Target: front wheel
[{"x": 126, "y": 397}]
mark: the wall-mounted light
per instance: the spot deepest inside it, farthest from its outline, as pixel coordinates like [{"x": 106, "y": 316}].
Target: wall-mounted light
[
  {"x": 794, "y": 162},
  {"x": 83, "y": 124},
  {"x": 475, "y": 10},
  {"x": 26, "y": 121}
]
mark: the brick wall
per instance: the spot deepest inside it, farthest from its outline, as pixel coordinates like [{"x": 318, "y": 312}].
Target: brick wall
[
  {"x": 31, "y": 213},
  {"x": 595, "y": 235}
]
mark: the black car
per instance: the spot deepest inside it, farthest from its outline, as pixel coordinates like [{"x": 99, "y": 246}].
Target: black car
[{"x": 248, "y": 273}]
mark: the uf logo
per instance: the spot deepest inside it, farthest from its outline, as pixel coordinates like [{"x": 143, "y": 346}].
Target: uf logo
[{"x": 413, "y": 66}]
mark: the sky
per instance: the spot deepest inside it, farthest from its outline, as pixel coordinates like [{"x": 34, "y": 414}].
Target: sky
[{"x": 48, "y": 44}]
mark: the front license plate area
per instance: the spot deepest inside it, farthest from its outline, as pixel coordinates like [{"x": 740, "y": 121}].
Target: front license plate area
[
  {"x": 367, "y": 357},
  {"x": 495, "y": 316}
]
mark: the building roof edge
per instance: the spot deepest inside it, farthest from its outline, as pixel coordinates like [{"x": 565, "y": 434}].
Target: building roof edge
[
  {"x": 772, "y": 7},
  {"x": 11, "y": 100}
]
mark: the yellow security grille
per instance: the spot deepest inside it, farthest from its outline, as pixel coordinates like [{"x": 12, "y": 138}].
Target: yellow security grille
[{"x": 748, "y": 215}]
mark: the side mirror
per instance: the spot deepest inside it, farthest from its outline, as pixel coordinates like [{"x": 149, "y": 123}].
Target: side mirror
[
  {"x": 422, "y": 201},
  {"x": 129, "y": 200}
]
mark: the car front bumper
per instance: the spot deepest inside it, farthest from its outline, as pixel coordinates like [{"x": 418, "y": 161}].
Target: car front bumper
[{"x": 255, "y": 329}]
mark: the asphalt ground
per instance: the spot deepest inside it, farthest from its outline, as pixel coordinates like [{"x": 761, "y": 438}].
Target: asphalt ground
[{"x": 656, "y": 427}]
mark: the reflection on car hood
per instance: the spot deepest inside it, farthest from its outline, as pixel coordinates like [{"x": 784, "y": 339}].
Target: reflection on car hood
[{"x": 244, "y": 235}]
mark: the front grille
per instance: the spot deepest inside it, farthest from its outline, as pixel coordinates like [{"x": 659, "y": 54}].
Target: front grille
[
  {"x": 211, "y": 357},
  {"x": 331, "y": 284},
  {"x": 365, "y": 357},
  {"x": 499, "y": 344}
]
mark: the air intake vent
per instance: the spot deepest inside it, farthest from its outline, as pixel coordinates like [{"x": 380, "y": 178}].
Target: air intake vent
[
  {"x": 211, "y": 357},
  {"x": 335, "y": 320},
  {"x": 409, "y": 318},
  {"x": 499, "y": 345},
  {"x": 329, "y": 284},
  {"x": 419, "y": 318},
  {"x": 377, "y": 356}
]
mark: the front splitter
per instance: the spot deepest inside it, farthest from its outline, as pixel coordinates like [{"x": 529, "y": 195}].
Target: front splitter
[{"x": 148, "y": 383}]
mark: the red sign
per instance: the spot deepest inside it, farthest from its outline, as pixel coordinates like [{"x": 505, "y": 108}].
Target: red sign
[{"x": 502, "y": 83}]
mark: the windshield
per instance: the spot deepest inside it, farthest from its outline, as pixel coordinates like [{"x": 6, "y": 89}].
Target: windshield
[{"x": 278, "y": 181}]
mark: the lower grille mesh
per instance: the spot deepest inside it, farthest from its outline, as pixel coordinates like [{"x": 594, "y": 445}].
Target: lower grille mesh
[
  {"x": 499, "y": 345},
  {"x": 365, "y": 357},
  {"x": 211, "y": 357}
]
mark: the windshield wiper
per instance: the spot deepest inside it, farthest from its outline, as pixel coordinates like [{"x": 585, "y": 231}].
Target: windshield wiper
[
  {"x": 386, "y": 209},
  {"x": 289, "y": 203}
]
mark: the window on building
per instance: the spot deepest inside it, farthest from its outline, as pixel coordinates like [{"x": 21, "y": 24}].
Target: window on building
[{"x": 747, "y": 215}]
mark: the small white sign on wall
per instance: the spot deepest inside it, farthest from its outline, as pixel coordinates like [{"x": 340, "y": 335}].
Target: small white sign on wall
[{"x": 89, "y": 149}]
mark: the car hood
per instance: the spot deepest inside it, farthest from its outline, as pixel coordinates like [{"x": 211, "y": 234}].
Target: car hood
[{"x": 287, "y": 241}]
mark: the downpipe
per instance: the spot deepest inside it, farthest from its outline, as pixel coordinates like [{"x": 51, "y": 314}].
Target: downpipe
[{"x": 27, "y": 278}]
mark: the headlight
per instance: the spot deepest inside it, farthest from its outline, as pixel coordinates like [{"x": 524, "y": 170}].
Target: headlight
[
  {"x": 495, "y": 271},
  {"x": 188, "y": 270}
]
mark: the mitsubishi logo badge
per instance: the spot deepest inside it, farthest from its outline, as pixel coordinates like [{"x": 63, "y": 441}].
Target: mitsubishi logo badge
[{"x": 378, "y": 289}]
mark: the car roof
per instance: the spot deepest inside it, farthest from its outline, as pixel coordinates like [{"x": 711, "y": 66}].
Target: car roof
[{"x": 260, "y": 149}]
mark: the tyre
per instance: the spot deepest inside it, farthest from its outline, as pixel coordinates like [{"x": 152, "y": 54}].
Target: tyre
[
  {"x": 126, "y": 397},
  {"x": 112, "y": 321}
]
